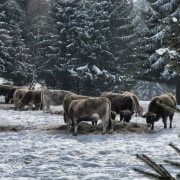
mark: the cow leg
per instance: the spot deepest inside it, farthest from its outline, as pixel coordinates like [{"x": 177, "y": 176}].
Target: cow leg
[
  {"x": 165, "y": 122},
  {"x": 94, "y": 123},
  {"x": 170, "y": 119},
  {"x": 105, "y": 123},
  {"x": 75, "y": 125},
  {"x": 152, "y": 127},
  {"x": 110, "y": 126},
  {"x": 121, "y": 117},
  {"x": 65, "y": 119},
  {"x": 48, "y": 108},
  {"x": 43, "y": 107}
]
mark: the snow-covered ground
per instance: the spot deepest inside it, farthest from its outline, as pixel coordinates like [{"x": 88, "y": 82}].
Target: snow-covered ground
[{"x": 35, "y": 149}]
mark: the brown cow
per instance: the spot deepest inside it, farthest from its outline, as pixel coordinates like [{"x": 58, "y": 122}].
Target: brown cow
[
  {"x": 91, "y": 109},
  {"x": 52, "y": 97},
  {"x": 120, "y": 104},
  {"x": 162, "y": 106},
  {"x": 17, "y": 96},
  {"x": 31, "y": 98},
  {"x": 67, "y": 101}
]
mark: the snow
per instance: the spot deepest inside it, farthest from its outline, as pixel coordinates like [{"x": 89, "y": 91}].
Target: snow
[
  {"x": 161, "y": 51},
  {"x": 37, "y": 149},
  {"x": 83, "y": 68},
  {"x": 174, "y": 19},
  {"x": 97, "y": 70}
]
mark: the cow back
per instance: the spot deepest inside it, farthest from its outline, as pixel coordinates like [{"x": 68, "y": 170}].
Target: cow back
[
  {"x": 54, "y": 97},
  {"x": 162, "y": 105},
  {"x": 84, "y": 108},
  {"x": 13, "y": 89},
  {"x": 4, "y": 89},
  {"x": 69, "y": 98}
]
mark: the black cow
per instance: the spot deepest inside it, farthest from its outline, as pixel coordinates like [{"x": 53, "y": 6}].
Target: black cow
[{"x": 4, "y": 90}]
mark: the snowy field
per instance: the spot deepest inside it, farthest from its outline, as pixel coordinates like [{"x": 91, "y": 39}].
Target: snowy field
[{"x": 34, "y": 148}]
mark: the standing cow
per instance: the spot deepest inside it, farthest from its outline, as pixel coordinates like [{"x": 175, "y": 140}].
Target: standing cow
[
  {"x": 123, "y": 105},
  {"x": 31, "y": 98},
  {"x": 17, "y": 96},
  {"x": 52, "y": 97},
  {"x": 91, "y": 109},
  {"x": 67, "y": 101},
  {"x": 138, "y": 108},
  {"x": 162, "y": 106}
]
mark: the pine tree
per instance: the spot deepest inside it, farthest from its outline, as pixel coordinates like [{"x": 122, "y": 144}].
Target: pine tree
[
  {"x": 158, "y": 39},
  {"x": 89, "y": 39},
  {"x": 40, "y": 39},
  {"x": 12, "y": 42}
]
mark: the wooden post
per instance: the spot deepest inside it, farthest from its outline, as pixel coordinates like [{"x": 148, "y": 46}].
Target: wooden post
[{"x": 178, "y": 92}]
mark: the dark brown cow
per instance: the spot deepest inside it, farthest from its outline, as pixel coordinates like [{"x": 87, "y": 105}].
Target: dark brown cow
[
  {"x": 4, "y": 90},
  {"x": 31, "y": 98},
  {"x": 17, "y": 96},
  {"x": 121, "y": 104},
  {"x": 162, "y": 106},
  {"x": 138, "y": 108},
  {"x": 91, "y": 109}
]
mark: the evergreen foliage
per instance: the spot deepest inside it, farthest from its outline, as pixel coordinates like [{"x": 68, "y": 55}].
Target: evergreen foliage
[
  {"x": 85, "y": 46},
  {"x": 94, "y": 37},
  {"x": 162, "y": 26},
  {"x": 13, "y": 48}
]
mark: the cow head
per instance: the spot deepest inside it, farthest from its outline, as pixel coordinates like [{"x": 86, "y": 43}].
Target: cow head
[
  {"x": 127, "y": 115},
  {"x": 113, "y": 115},
  {"x": 150, "y": 118},
  {"x": 20, "y": 105}
]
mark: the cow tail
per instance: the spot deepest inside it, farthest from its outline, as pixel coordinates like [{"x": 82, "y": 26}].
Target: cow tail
[{"x": 110, "y": 121}]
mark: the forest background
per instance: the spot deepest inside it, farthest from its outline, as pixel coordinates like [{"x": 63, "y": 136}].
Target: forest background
[{"x": 91, "y": 46}]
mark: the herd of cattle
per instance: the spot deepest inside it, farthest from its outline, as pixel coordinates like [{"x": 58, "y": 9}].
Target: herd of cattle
[{"x": 79, "y": 108}]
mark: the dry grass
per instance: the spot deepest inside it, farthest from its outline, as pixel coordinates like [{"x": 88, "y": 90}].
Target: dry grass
[{"x": 118, "y": 128}]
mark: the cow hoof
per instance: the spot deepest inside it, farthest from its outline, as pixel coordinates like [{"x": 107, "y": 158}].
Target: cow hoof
[
  {"x": 74, "y": 134},
  {"x": 103, "y": 133},
  {"x": 111, "y": 132}
]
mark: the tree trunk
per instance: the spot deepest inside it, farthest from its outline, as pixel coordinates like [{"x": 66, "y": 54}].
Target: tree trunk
[{"x": 178, "y": 92}]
